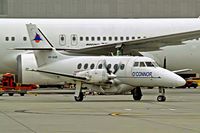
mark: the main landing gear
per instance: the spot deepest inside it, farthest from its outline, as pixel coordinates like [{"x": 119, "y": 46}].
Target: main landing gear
[
  {"x": 161, "y": 97},
  {"x": 137, "y": 93},
  {"x": 78, "y": 92},
  {"x": 79, "y": 98}
]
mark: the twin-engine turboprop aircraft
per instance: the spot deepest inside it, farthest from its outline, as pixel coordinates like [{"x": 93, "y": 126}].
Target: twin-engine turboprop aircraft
[{"x": 99, "y": 73}]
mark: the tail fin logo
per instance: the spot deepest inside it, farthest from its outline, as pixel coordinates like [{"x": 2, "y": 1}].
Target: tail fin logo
[{"x": 37, "y": 38}]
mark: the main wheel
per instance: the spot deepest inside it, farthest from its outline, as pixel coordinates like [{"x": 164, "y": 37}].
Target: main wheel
[
  {"x": 22, "y": 94},
  {"x": 137, "y": 94},
  {"x": 161, "y": 98},
  {"x": 79, "y": 98},
  {"x": 10, "y": 94}
]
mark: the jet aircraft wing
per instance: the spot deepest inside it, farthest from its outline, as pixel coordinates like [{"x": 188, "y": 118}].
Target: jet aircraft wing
[{"x": 145, "y": 44}]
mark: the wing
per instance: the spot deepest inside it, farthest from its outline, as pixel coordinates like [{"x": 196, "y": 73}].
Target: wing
[
  {"x": 69, "y": 76},
  {"x": 182, "y": 71},
  {"x": 146, "y": 44}
]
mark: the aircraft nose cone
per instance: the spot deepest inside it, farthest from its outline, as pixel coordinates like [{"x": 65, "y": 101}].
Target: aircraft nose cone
[
  {"x": 172, "y": 79},
  {"x": 180, "y": 81}
]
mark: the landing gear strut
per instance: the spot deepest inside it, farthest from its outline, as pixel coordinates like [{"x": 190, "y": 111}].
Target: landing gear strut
[
  {"x": 78, "y": 92},
  {"x": 161, "y": 97},
  {"x": 137, "y": 93},
  {"x": 80, "y": 97}
]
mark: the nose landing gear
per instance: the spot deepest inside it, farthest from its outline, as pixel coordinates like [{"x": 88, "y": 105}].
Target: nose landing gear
[{"x": 161, "y": 97}]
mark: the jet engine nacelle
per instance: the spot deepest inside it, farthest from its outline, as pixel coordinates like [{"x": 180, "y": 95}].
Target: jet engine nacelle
[{"x": 95, "y": 75}]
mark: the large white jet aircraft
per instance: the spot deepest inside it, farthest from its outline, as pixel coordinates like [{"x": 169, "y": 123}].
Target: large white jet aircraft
[
  {"x": 99, "y": 73},
  {"x": 173, "y": 39}
]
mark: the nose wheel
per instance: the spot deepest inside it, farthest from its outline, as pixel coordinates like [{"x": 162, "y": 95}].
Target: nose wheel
[
  {"x": 137, "y": 93},
  {"x": 161, "y": 97}
]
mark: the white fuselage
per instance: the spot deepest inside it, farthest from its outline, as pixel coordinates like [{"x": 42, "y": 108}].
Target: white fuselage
[
  {"x": 81, "y": 33},
  {"x": 128, "y": 73}
]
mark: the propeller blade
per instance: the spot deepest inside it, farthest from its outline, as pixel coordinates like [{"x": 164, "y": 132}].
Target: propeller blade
[
  {"x": 107, "y": 68},
  {"x": 116, "y": 69}
]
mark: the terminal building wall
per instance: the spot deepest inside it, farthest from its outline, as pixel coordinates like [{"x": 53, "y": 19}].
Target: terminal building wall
[{"x": 99, "y": 8}]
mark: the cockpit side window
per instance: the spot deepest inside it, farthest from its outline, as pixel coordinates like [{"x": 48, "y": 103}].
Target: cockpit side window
[
  {"x": 142, "y": 64},
  {"x": 136, "y": 64},
  {"x": 149, "y": 64}
]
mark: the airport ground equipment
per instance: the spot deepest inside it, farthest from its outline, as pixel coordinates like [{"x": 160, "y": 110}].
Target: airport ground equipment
[
  {"x": 190, "y": 83},
  {"x": 194, "y": 79},
  {"x": 10, "y": 87}
]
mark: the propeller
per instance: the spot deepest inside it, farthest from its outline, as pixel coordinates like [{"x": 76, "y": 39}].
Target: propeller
[
  {"x": 107, "y": 67},
  {"x": 110, "y": 73}
]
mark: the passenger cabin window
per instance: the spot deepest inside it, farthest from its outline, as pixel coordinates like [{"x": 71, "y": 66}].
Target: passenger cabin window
[
  {"x": 92, "y": 66},
  {"x": 122, "y": 66},
  {"x": 79, "y": 66},
  {"x": 136, "y": 64},
  {"x": 25, "y": 38},
  {"x": 116, "y": 67},
  {"x": 100, "y": 66},
  {"x": 81, "y": 38},
  {"x": 149, "y": 64},
  {"x": 110, "y": 38},
  {"x": 92, "y": 38},
  {"x": 62, "y": 38},
  {"x": 98, "y": 38},
  {"x": 7, "y": 38},
  {"x": 87, "y": 38},
  {"x": 13, "y": 38},
  {"x": 116, "y": 38},
  {"x": 121, "y": 38},
  {"x": 142, "y": 64},
  {"x": 85, "y": 66},
  {"x": 73, "y": 38},
  {"x": 127, "y": 38},
  {"x": 109, "y": 66},
  {"x": 133, "y": 38},
  {"x": 104, "y": 38}
]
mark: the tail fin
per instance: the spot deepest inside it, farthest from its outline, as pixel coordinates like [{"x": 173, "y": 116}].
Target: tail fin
[{"x": 44, "y": 51}]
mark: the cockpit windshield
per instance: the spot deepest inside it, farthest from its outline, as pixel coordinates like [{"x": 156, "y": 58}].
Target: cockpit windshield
[
  {"x": 149, "y": 64},
  {"x": 145, "y": 64},
  {"x": 142, "y": 64},
  {"x": 155, "y": 64}
]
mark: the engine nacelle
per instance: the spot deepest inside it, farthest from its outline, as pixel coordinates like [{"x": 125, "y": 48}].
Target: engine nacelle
[{"x": 95, "y": 75}]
